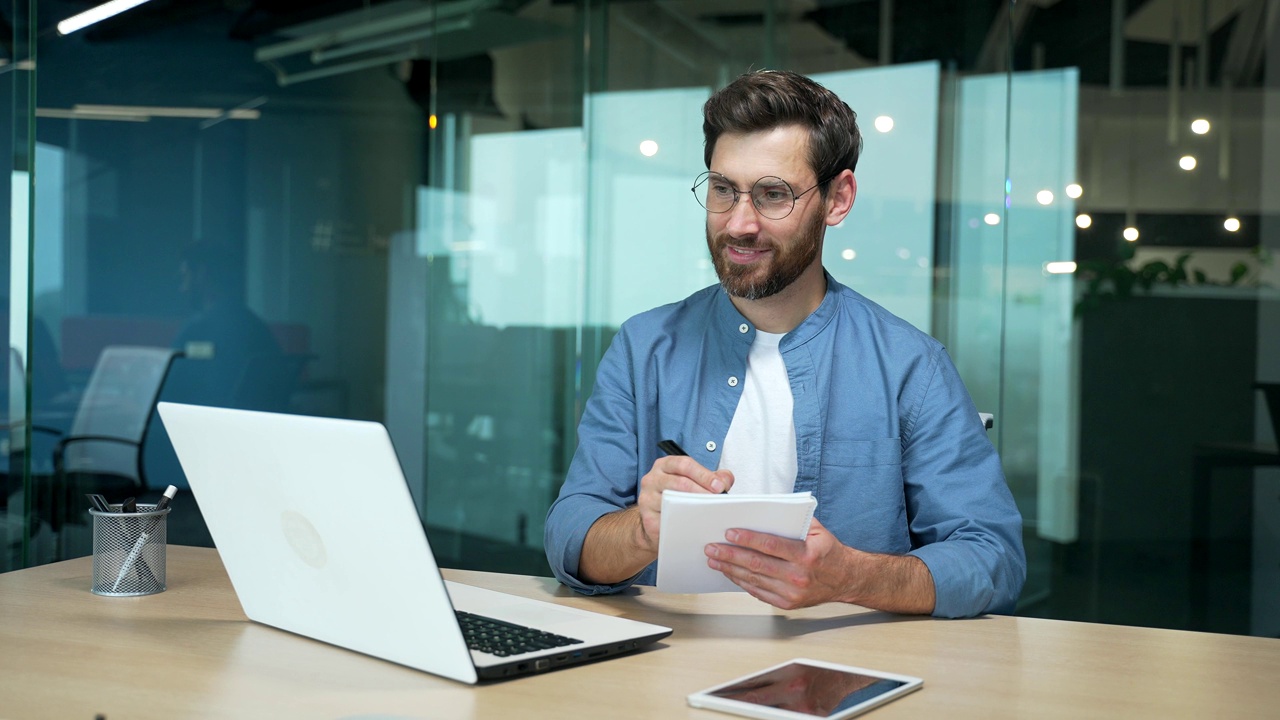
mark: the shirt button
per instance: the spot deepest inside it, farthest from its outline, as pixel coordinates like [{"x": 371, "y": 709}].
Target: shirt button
[
  {"x": 711, "y": 446},
  {"x": 733, "y": 382},
  {"x": 743, "y": 328}
]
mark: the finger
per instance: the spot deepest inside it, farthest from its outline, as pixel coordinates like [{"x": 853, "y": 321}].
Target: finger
[
  {"x": 772, "y": 545},
  {"x": 664, "y": 477},
  {"x": 745, "y": 563},
  {"x": 763, "y": 591},
  {"x": 684, "y": 484},
  {"x": 704, "y": 480}
]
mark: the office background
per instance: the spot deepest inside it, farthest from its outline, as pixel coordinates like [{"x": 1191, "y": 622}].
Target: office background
[{"x": 435, "y": 215}]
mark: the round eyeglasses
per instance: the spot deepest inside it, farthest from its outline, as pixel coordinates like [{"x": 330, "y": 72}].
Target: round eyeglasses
[{"x": 771, "y": 196}]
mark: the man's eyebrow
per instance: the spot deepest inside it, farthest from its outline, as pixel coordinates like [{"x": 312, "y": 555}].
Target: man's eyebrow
[
  {"x": 727, "y": 179},
  {"x": 732, "y": 182}
]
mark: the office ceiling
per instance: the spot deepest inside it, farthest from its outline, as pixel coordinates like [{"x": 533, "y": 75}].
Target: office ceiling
[{"x": 972, "y": 36}]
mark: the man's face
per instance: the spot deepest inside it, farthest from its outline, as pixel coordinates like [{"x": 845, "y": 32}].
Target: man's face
[{"x": 756, "y": 257}]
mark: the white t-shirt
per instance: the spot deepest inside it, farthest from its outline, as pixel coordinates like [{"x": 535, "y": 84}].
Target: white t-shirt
[{"x": 760, "y": 448}]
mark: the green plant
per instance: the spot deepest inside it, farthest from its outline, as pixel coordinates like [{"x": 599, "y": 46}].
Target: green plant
[{"x": 1119, "y": 278}]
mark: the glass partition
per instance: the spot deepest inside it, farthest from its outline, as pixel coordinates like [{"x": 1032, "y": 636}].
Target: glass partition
[
  {"x": 435, "y": 214},
  {"x": 440, "y": 234},
  {"x": 23, "y": 544}
]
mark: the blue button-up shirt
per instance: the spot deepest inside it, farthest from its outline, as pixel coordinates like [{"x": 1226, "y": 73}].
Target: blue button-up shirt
[{"x": 887, "y": 439}]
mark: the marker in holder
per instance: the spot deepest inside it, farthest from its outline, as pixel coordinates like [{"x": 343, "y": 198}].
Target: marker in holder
[{"x": 129, "y": 551}]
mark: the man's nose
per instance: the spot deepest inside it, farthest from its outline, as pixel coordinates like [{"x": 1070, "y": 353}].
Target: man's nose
[{"x": 743, "y": 218}]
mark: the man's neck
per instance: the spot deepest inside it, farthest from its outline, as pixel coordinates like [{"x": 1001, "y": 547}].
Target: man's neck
[{"x": 783, "y": 312}]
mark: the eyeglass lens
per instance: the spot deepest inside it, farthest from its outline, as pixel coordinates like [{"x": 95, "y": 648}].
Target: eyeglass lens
[{"x": 772, "y": 196}]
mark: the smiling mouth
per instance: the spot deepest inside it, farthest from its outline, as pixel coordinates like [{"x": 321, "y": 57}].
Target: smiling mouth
[{"x": 745, "y": 255}]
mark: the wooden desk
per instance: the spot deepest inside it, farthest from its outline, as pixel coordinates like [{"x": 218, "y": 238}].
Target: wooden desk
[{"x": 190, "y": 653}]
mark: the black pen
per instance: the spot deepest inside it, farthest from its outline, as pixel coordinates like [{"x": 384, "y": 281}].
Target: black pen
[
  {"x": 671, "y": 448},
  {"x": 129, "y": 505},
  {"x": 163, "y": 502}
]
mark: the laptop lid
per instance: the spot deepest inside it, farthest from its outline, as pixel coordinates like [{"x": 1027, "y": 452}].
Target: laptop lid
[{"x": 320, "y": 536}]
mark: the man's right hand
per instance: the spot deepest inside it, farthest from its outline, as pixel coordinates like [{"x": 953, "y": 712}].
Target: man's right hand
[
  {"x": 621, "y": 543},
  {"x": 673, "y": 472}
]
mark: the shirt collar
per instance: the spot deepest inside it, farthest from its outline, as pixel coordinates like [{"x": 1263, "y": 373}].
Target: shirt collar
[{"x": 737, "y": 327}]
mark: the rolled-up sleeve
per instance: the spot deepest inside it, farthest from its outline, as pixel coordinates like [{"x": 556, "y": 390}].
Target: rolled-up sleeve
[
  {"x": 602, "y": 477},
  {"x": 964, "y": 523}
]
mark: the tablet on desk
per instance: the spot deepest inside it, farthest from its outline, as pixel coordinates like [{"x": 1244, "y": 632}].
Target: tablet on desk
[{"x": 805, "y": 690}]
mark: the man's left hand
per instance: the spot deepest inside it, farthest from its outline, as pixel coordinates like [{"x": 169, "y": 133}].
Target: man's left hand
[{"x": 785, "y": 573}]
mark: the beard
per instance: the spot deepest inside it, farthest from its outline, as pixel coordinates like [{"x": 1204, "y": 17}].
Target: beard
[{"x": 760, "y": 280}]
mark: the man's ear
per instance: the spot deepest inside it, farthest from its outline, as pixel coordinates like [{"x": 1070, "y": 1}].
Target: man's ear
[{"x": 844, "y": 188}]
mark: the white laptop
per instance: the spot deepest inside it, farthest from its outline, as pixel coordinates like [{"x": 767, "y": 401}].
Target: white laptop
[{"x": 320, "y": 536}]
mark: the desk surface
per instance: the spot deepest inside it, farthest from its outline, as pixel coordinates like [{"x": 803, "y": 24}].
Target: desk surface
[{"x": 189, "y": 652}]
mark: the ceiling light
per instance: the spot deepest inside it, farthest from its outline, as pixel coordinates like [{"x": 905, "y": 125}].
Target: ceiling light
[
  {"x": 65, "y": 114},
  {"x": 1187, "y": 162},
  {"x": 1131, "y": 234},
  {"x": 648, "y": 148},
  {"x": 848, "y": 254},
  {"x": 96, "y": 15},
  {"x": 1074, "y": 191},
  {"x": 1084, "y": 221},
  {"x": 1231, "y": 224},
  {"x": 150, "y": 111},
  {"x": 1062, "y": 267},
  {"x": 1044, "y": 197},
  {"x": 884, "y": 123},
  {"x": 991, "y": 219},
  {"x": 1200, "y": 126}
]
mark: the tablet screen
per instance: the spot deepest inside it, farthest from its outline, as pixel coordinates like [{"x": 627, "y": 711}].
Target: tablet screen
[{"x": 820, "y": 692}]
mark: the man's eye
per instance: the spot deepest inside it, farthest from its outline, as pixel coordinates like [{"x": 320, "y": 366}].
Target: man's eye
[
  {"x": 774, "y": 195},
  {"x": 721, "y": 190}
]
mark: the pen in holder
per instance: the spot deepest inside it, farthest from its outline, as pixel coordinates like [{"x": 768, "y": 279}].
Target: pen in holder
[{"x": 129, "y": 551}]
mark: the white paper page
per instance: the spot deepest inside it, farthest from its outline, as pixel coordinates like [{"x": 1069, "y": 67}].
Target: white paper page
[{"x": 691, "y": 521}]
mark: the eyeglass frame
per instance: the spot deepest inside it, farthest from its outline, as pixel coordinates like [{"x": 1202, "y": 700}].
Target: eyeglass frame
[{"x": 706, "y": 175}]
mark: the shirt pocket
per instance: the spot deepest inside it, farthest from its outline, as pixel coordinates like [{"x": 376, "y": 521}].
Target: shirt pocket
[{"x": 860, "y": 494}]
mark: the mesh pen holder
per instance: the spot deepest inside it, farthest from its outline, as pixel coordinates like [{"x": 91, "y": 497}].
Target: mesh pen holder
[{"x": 129, "y": 551}]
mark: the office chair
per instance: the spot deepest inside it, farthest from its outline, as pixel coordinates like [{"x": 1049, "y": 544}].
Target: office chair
[{"x": 103, "y": 450}]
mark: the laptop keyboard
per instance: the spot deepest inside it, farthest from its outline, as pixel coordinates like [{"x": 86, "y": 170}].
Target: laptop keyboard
[{"x": 502, "y": 638}]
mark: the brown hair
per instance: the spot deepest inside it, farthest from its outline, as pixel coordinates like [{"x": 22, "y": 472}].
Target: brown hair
[{"x": 767, "y": 99}]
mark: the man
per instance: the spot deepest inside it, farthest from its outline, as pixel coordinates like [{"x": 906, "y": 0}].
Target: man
[
  {"x": 223, "y": 335},
  {"x": 781, "y": 379},
  {"x": 219, "y": 342}
]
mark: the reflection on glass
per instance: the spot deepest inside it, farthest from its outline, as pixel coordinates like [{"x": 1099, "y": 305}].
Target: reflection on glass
[
  {"x": 434, "y": 233},
  {"x": 808, "y": 689}
]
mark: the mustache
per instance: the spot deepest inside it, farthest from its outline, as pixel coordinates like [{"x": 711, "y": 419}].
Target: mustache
[{"x": 722, "y": 239}]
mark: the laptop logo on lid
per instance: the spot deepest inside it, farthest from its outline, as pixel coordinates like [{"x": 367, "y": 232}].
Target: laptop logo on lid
[{"x": 303, "y": 538}]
